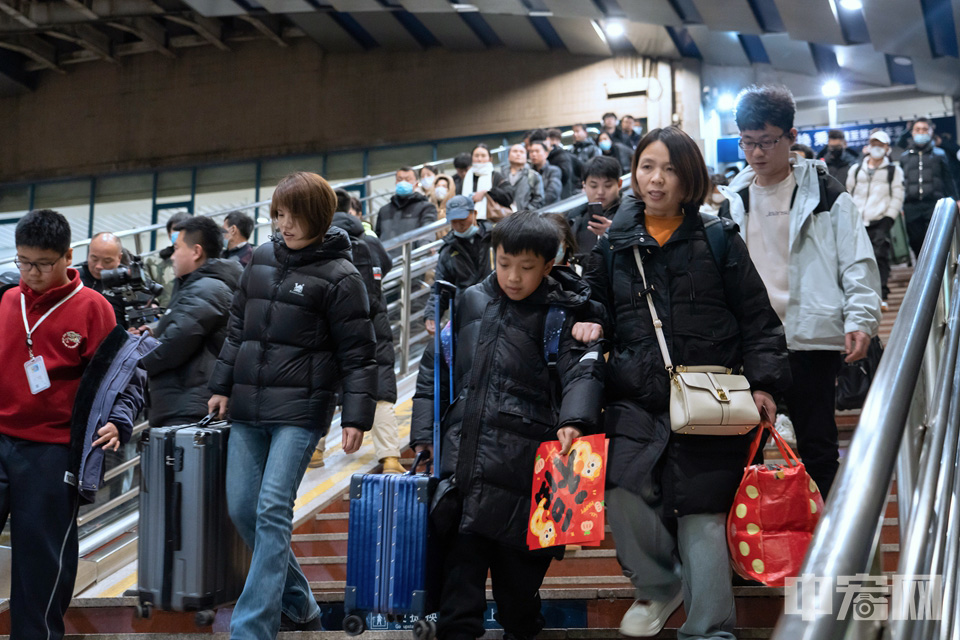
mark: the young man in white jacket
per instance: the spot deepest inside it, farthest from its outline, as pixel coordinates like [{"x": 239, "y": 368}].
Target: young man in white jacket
[
  {"x": 876, "y": 186},
  {"x": 808, "y": 242}
]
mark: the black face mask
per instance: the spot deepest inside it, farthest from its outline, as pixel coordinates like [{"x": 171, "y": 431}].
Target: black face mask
[{"x": 836, "y": 152}]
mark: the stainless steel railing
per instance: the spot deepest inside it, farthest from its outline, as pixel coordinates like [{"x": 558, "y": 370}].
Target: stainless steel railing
[{"x": 919, "y": 368}]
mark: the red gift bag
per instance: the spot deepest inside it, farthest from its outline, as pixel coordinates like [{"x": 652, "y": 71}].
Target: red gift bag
[
  {"x": 566, "y": 505},
  {"x": 773, "y": 516}
]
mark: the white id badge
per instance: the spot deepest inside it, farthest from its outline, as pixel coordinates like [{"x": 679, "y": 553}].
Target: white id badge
[{"x": 37, "y": 376}]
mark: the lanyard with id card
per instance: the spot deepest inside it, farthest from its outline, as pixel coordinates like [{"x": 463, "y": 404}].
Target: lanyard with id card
[{"x": 36, "y": 371}]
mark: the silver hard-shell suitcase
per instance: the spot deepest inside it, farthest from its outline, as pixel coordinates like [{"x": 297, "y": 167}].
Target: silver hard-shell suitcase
[{"x": 190, "y": 556}]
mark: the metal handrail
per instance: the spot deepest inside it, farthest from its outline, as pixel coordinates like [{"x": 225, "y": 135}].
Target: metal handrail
[
  {"x": 365, "y": 180},
  {"x": 844, "y": 539}
]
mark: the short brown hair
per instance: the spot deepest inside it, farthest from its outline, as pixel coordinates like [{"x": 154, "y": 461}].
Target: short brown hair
[
  {"x": 309, "y": 199},
  {"x": 686, "y": 159}
]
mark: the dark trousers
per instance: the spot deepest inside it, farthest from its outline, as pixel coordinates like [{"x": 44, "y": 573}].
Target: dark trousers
[
  {"x": 811, "y": 401},
  {"x": 879, "y": 233},
  {"x": 917, "y": 216},
  {"x": 43, "y": 528},
  {"x": 516, "y": 576}
]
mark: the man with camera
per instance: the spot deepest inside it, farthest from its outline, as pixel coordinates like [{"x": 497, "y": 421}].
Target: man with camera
[
  {"x": 193, "y": 328},
  {"x": 104, "y": 253}
]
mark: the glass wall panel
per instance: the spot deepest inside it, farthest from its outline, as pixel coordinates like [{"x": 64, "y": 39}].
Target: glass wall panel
[{"x": 14, "y": 202}]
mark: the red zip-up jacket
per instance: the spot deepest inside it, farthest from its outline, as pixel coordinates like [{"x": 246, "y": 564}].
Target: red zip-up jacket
[{"x": 67, "y": 340}]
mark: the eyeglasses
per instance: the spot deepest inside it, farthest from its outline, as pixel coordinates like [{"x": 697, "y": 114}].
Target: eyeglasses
[
  {"x": 765, "y": 145},
  {"x": 41, "y": 267}
]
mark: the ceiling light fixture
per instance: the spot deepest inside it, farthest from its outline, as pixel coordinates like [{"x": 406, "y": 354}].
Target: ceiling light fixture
[
  {"x": 903, "y": 61},
  {"x": 831, "y": 88},
  {"x": 726, "y": 102},
  {"x": 851, "y": 5},
  {"x": 615, "y": 29}
]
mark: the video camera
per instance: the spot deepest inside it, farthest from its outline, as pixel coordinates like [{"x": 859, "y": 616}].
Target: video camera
[{"x": 131, "y": 284}]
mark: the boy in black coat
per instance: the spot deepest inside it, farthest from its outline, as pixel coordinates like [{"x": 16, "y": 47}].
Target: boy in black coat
[{"x": 501, "y": 414}]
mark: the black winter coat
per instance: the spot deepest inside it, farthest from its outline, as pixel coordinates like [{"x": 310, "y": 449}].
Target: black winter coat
[
  {"x": 191, "y": 334},
  {"x": 502, "y": 413},
  {"x": 586, "y": 239},
  {"x": 299, "y": 331},
  {"x": 570, "y": 170},
  {"x": 403, "y": 214},
  {"x": 462, "y": 262},
  {"x": 709, "y": 318},
  {"x": 373, "y": 263},
  {"x": 838, "y": 165},
  {"x": 621, "y": 153},
  {"x": 585, "y": 150},
  {"x": 926, "y": 175}
]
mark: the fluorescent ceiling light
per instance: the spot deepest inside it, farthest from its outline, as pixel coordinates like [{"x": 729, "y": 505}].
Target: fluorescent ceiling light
[
  {"x": 851, "y": 5},
  {"x": 903, "y": 61},
  {"x": 831, "y": 88},
  {"x": 465, "y": 8}
]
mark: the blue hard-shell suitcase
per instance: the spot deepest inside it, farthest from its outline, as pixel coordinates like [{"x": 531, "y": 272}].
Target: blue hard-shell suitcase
[{"x": 392, "y": 568}]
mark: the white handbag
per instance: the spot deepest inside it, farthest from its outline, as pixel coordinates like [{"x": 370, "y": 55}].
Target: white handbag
[{"x": 705, "y": 400}]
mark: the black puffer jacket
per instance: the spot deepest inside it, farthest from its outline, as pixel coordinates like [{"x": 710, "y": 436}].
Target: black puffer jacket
[
  {"x": 570, "y": 170},
  {"x": 926, "y": 174},
  {"x": 463, "y": 261},
  {"x": 502, "y": 410},
  {"x": 838, "y": 164},
  {"x": 586, "y": 239},
  {"x": 403, "y": 214},
  {"x": 373, "y": 263},
  {"x": 300, "y": 330},
  {"x": 708, "y": 319},
  {"x": 191, "y": 334}
]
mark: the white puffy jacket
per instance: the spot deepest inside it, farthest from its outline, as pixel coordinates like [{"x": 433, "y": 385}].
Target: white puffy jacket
[
  {"x": 834, "y": 280},
  {"x": 876, "y": 197}
]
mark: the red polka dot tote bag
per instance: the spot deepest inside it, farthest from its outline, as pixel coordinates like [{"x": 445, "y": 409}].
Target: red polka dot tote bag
[{"x": 773, "y": 516}]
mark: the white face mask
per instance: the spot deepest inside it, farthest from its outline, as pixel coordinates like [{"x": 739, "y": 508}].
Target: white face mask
[
  {"x": 440, "y": 192},
  {"x": 717, "y": 198},
  {"x": 427, "y": 181},
  {"x": 877, "y": 152}
]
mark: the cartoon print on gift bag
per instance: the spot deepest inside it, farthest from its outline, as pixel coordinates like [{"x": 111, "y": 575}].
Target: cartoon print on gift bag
[{"x": 567, "y": 505}]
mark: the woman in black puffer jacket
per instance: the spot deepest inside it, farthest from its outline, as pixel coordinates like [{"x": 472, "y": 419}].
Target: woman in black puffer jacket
[
  {"x": 299, "y": 330},
  {"x": 669, "y": 494}
]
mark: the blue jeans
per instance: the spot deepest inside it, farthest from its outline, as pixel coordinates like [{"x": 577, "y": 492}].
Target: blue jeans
[{"x": 264, "y": 468}]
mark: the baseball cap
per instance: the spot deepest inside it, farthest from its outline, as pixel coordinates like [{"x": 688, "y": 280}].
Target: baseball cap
[
  {"x": 882, "y": 136},
  {"x": 459, "y": 208}
]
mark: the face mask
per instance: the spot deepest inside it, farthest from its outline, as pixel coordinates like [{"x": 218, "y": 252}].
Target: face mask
[
  {"x": 877, "y": 152},
  {"x": 427, "y": 181},
  {"x": 404, "y": 188},
  {"x": 561, "y": 253},
  {"x": 606, "y": 145},
  {"x": 717, "y": 198},
  {"x": 636, "y": 129},
  {"x": 173, "y": 237},
  {"x": 836, "y": 151},
  {"x": 441, "y": 192},
  {"x": 226, "y": 243},
  {"x": 921, "y": 138},
  {"x": 469, "y": 233}
]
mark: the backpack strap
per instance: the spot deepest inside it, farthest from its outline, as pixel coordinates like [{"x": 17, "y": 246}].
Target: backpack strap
[
  {"x": 856, "y": 174},
  {"x": 891, "y": 170},
  {"x": 716, "y": 233},
  {"x": 552, "y": 328},
  {"x": 830, "y": 190}
]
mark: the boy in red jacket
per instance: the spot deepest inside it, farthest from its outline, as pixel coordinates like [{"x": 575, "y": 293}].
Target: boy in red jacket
[{"x": 50, "y": 328}]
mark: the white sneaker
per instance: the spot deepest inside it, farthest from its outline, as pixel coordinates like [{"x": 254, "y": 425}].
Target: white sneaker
[
  {"x": 645, "y": 619},
  {"x": 784, "y": 426}
]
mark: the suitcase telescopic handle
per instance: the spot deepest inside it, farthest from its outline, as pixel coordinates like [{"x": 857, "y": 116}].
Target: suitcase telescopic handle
[
  {"x": 207, "y": 419},
  {"x": 421, "y": 457}
]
